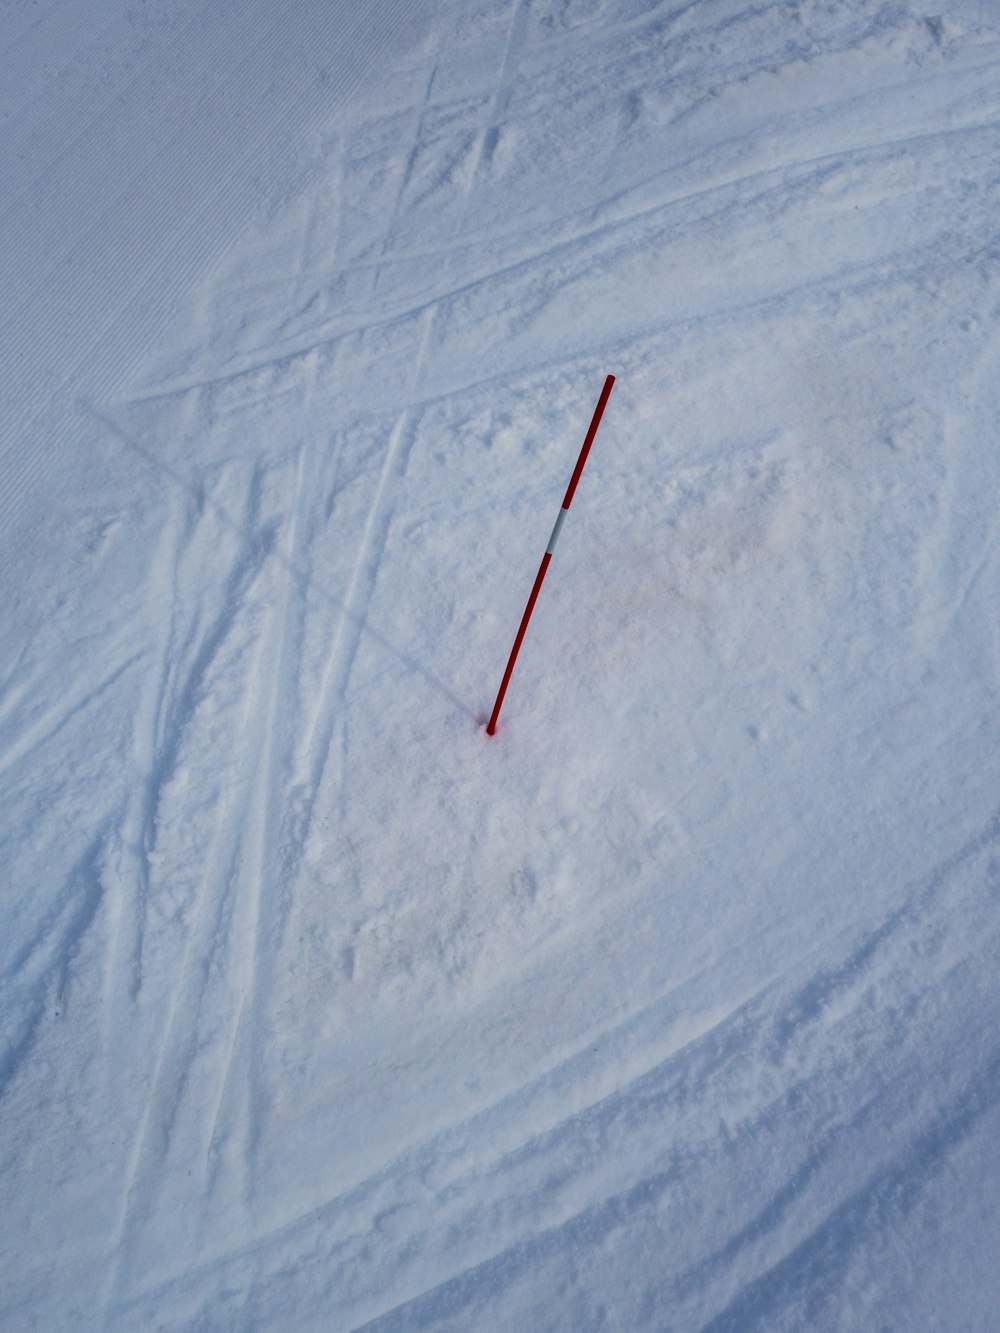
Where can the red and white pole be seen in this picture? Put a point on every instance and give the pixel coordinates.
(602, 402)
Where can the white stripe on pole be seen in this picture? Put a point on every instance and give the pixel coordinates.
(555, 531)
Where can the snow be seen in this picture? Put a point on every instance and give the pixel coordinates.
(669, 1007)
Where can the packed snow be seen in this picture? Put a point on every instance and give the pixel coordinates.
(671, 1006)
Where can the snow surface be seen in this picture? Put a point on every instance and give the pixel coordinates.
(673, 1005)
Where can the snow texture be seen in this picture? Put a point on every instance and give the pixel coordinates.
(671, 1006)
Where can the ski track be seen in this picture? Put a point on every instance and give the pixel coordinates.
(497, 107)
(374, 534)
(175, 1049)
(152, 758)
(351, 621)
(752, 1061)
(593, 245)
(264, 866)
(374, 537)
(551, 1174)
(260, 872)
(52, 720)
(257, 874)
(409, 163)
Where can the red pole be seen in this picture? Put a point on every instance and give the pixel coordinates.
(602, 403)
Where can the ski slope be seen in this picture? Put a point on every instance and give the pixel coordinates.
(669, 1007)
